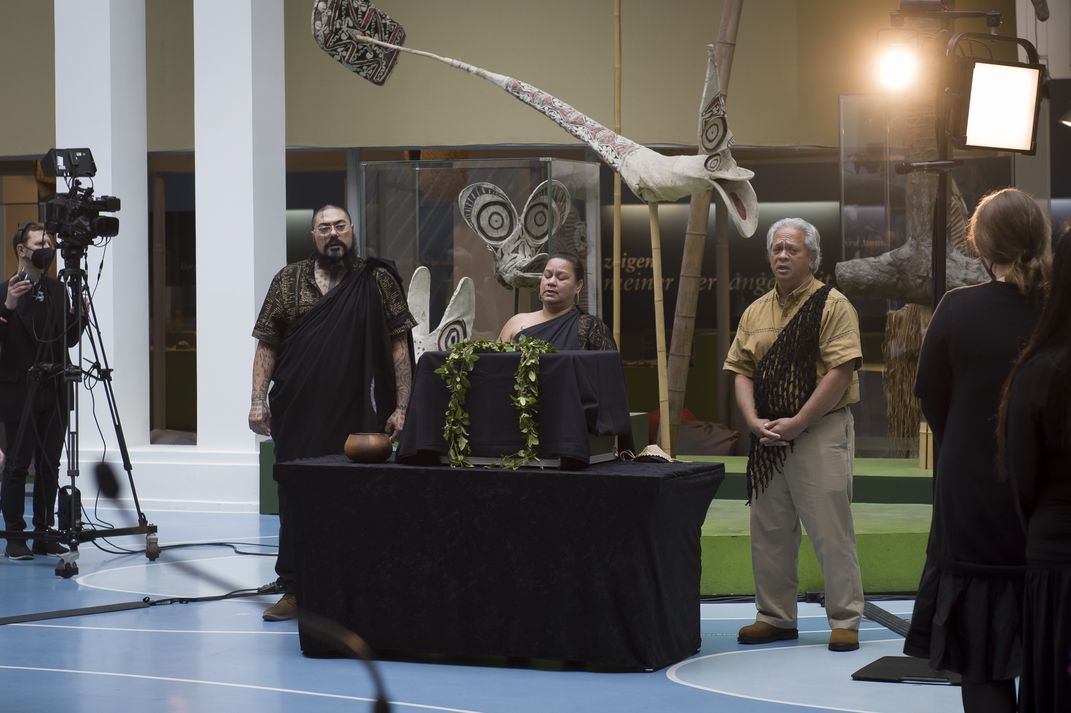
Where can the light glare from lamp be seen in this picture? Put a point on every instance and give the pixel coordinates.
(1003, 106)
(897, 67)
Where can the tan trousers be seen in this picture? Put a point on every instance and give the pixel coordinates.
(815, 487)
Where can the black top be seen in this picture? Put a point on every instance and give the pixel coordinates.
(293, 293)
(970, 346)
(1038, 456)
(573, 330)
(334, 374)
(31, 335)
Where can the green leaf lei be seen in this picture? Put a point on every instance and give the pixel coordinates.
(460, 361)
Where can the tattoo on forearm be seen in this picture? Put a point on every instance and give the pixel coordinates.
(263, 368)
(403, 374)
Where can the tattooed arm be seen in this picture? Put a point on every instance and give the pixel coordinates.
(403, 379)
(263, 368)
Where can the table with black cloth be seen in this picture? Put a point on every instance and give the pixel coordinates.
(599, 565)
(580, 392)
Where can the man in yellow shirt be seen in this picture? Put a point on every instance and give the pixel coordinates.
(795, 358)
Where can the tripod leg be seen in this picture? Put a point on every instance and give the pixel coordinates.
(100, 360)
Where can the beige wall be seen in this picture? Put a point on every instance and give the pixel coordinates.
(169, 74)
(27, 68)
(794, 58)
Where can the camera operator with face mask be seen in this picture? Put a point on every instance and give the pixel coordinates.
(32, 349)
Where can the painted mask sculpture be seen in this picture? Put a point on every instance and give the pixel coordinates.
(456, 323)
(515, 242)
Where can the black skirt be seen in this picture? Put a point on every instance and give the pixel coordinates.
(1046, 680)
(969, 624)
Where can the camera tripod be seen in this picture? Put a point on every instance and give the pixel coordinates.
(82, 318)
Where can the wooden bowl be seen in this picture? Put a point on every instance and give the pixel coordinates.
(367, 447)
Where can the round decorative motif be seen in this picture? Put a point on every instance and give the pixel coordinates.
(714, 132)
(713, 162)
(494, 217)
(451, 333)
(537, 219)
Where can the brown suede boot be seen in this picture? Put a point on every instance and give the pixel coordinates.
(762, 633)
(843, 640)
(282, 610)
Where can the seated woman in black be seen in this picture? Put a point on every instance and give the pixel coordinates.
(560, 322)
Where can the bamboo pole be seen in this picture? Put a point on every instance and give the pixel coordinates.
(721, 267)
(680, 350)
(692, 260)
(617, 177)
(660, 328)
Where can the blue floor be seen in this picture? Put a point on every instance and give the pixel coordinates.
(220, 656)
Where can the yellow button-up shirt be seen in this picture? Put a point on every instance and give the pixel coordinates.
(763, 320)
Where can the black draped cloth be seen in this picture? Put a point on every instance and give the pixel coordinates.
(580, 392)
(600, 565)
(967, 615)
(572, 330)
(1038, 458)
(334, 374)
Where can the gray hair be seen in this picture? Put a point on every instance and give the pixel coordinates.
(810, 238)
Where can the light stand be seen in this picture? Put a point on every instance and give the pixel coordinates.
(949, 98)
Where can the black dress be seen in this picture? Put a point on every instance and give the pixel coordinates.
(968, 608)
(1039, 463)
(572, 330)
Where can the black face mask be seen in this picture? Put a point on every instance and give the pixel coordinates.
(42, 258)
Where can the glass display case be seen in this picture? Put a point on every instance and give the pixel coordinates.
(411, 214)
(885, 212)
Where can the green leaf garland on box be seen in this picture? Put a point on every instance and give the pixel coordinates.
(460, 361)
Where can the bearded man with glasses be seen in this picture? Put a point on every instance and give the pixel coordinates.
(334, 342)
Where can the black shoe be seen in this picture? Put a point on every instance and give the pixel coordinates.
(48, 547)
(17, 550)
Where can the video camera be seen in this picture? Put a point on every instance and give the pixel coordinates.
(75, 218)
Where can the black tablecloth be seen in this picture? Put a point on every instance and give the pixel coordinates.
(600, 565)
(580, 392)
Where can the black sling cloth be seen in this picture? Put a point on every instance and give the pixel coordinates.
(784, 379)
(333, 373)
(561, 331)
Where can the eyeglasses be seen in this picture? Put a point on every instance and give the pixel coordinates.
(326, 228)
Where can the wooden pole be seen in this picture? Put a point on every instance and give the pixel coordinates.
(680, 350)
(721, 268)
(723, 56)
(660, 329)
(617, 178)
(692, 261)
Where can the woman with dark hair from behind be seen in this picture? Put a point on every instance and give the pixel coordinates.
(1035, 437)
(969, 604)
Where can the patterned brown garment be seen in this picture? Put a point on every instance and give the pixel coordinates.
(293, 292)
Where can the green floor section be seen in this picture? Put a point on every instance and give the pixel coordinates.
(881, 467)
(876, 480)
(890, 540)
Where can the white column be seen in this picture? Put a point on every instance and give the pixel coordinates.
(100, 104)
(240, 144)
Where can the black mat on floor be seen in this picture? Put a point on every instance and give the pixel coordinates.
(905, 669)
